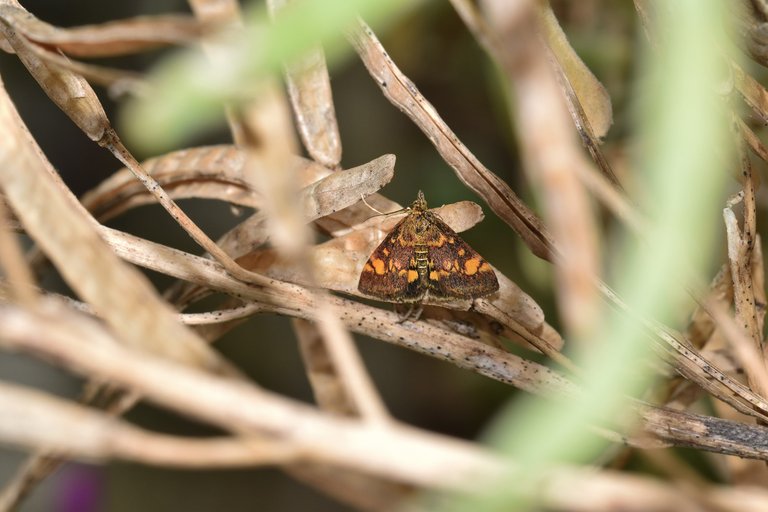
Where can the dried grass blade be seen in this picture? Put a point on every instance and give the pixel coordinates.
(60, 226)
(706, 432)
(309, 88)
(108, 39)
(743, 347)
(692, 365)
(75, 96)
(591, 96)
(404, 94)
(699, 333)
(211, 172)
(740, 248)
(119, 81)
(752, 140)
(323, 197)
(754, 94)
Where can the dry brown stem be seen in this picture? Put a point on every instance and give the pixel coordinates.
(403, 93)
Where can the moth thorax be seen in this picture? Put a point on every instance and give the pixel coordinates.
(422, 224)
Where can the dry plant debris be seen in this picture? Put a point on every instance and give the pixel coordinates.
(131, 342)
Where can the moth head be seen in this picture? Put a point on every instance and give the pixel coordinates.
(420, 204)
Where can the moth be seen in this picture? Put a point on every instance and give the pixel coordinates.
(423, 256)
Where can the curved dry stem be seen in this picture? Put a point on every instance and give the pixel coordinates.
(404, 94)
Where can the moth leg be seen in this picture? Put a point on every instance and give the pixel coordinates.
(411, 314)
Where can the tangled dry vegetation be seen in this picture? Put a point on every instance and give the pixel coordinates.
(130, 341)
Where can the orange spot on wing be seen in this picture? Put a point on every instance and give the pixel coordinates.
(402, 273)
(447, 264)
(385, 251)
(412, 276)
(471, 266)
(367, 268)
(439, 242)
(485, 267)
(378, 265)
(434, 275)
(462, 252)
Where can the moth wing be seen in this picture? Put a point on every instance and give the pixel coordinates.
(455, 269)
(390, 273)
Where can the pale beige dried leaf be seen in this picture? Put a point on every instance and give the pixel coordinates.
(212, 172)
(323, 197)
(741, 243)
(111, 38)
(406, 96)
(606, 187)
(344, 188)
(592, 95)
(5, 45)
(309, 87)
(57, 222)
(69, 91)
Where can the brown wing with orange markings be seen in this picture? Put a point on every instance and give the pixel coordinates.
(390, 273)
(455, 269)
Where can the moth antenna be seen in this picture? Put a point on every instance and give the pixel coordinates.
(369, 206)
(401, 210)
